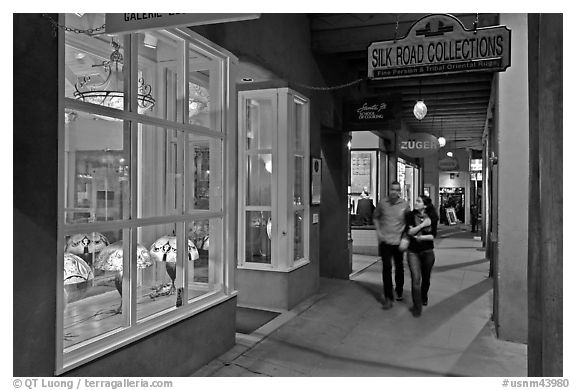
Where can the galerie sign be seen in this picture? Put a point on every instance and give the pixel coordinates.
(124, 23)
(439, 44)
(418, 144)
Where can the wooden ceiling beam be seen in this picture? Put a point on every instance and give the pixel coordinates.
(481, 77)
(354, 32)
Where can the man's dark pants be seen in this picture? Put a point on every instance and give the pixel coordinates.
(387, 252)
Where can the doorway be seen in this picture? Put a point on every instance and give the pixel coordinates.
(452, 197)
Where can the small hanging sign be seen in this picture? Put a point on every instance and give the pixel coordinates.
(448, 164)
(439, 44)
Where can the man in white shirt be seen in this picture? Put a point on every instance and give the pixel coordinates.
(390, 222)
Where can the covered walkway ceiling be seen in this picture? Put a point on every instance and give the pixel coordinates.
(457, 104)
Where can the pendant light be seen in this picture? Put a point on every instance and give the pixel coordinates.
(420, 108)
(449, 153)
(441, 139)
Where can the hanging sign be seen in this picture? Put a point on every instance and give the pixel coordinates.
(125, 23)
(476, 164)
(418, 144)
(439, 44)
(368, 113)
(448, 164)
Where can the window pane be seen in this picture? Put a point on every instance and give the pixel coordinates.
(298, 235)
(160, 75)
(92, 287)
(97, 168)
(204, 173)
(94, 67)
(160, 181)
(298, 124)
(203, 83)
(260, 123)
(205, 269)
(199, 110)
(258, 233)
(259, 180)
(158, 283)
(298, 180)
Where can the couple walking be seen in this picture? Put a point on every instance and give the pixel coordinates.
(393, 220)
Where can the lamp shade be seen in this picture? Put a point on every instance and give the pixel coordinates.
(420, 109)
(164, 249)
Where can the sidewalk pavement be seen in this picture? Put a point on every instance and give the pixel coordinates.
(343, 330)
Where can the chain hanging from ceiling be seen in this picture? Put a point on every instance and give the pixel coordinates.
(56, 26)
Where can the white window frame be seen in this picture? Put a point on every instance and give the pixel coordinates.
(282, 205)
(223, 130)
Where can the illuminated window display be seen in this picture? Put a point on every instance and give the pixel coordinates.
(274, 177)
(142, 175)
(409, 179)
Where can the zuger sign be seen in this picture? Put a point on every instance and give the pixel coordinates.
(418, 144)
(439, 44)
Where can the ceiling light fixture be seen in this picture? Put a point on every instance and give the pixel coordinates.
(109, 93)
(420, 108)
(441, 139)
(150, 41)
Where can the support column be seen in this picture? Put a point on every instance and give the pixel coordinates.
(545, 317)
(511, 287)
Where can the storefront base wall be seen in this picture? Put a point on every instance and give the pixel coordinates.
(273, 290)
(178, 350)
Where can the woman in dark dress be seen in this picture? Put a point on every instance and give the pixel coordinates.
(421, 226)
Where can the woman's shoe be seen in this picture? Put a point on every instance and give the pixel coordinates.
(415, 312)
(425, 302)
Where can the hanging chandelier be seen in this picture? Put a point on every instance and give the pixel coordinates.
(109, 93)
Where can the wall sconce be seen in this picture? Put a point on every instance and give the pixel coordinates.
(449, 154)
(493, 159)
(442, 141)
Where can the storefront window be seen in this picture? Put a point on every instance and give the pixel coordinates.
(274, 177)
(409, 179)
(92, 286)
(142, 211)
(96, 163)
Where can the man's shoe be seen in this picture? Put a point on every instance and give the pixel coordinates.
(399, 297)
(415, 312)
(425, 302)
(387, 304)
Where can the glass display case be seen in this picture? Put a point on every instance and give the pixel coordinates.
(274, 179)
